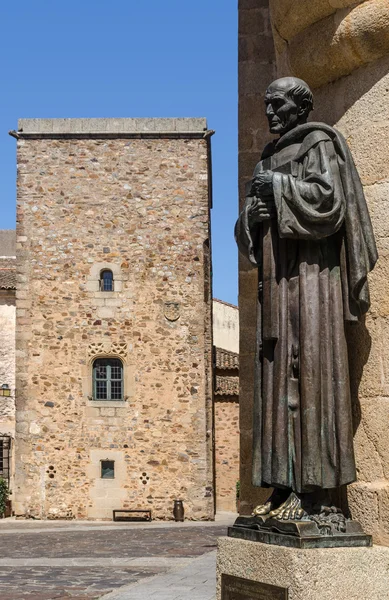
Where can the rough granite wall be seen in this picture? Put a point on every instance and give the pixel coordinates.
(124, 195)
(340, 47)
(359, 109)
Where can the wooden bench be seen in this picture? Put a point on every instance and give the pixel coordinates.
(137, 514)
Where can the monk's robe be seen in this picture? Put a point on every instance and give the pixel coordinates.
(313, 260)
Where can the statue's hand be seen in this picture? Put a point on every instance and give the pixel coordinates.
(261, 210)
(263, 184)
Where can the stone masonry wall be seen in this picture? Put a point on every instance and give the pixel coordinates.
(7, 359)
(359, 109)
(226, 452)
(140, 207)
(256, 69)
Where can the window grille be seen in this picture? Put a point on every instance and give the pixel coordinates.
(106, 281)
(5, 457)
(107, 379)
(107, 469)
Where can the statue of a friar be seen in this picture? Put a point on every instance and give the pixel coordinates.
(306, 226)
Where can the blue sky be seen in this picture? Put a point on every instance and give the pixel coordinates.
(127, 58)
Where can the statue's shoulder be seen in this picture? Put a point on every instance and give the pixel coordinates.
(315, 133)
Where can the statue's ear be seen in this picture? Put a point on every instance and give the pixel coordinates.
(304, 108)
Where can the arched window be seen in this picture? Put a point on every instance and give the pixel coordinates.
(106, 281)
(107, 379)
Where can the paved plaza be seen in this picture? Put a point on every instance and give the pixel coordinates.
(115, 561)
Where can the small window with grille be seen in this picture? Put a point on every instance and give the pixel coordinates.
(106, 281)
(107, 379)
(107, 469)
(5, 457)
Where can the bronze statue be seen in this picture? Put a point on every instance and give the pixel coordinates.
(306, 226)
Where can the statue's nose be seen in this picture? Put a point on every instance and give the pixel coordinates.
(269, 110)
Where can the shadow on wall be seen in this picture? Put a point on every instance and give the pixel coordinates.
(358, 337)
(333, 100)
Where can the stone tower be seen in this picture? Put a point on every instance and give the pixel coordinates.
(113, 333)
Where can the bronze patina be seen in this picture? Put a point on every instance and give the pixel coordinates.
(306, 227)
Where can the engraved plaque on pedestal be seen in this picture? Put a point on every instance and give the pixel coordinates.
(236, 588)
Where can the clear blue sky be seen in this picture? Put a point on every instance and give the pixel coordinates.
(127, 58)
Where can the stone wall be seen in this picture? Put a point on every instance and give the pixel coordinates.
(359, 109)
(7, 360)
(7, 351)
(256, 69)
(225, 326)
(132, 196)
(226, 452)
(226, 407)
(341, 49)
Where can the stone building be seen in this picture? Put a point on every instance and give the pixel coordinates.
(342, 50)
(113, 326)
(7, 350)
(226, 404)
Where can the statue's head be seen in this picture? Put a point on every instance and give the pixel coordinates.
(288, 103)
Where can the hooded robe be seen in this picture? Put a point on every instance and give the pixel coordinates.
(313, 261)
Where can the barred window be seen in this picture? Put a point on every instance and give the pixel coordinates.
(107, 379)
(107, 469)
(5, 457)
(106, 281)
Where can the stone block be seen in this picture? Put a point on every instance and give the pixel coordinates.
(92, 286)
(254, 78)
(117, 302)
(368, 504)
(371, 440)
(319, 574)
(35, 125)
(339, 44)
(252, 4)
(251, 46)
(253, 22)
(190, 125)
(366, 357)
(372, 165)
(290, 18)
(111, 125)
(106, 312)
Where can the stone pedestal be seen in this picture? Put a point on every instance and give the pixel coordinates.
(317, 574)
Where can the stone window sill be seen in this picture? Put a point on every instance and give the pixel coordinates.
(107, 403)
(106, 295)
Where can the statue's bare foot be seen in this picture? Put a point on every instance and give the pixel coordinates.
(262, 509)
(273, 502)
(290, 510)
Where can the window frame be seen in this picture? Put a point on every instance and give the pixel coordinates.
(107, 460)
(102, 281)
(5, 457)
(108, 379)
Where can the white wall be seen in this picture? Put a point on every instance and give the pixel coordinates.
(225, 326)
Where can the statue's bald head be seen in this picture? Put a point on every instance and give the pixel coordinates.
(289, 101)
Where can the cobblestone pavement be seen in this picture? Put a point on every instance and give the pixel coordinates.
(87, 561)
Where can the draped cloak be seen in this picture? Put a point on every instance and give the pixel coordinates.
(313, 261)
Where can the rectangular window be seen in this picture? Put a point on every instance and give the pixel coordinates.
(107, 469)
(5, 457)
(107, 379)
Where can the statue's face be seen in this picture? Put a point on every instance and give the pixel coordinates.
(281, 111)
